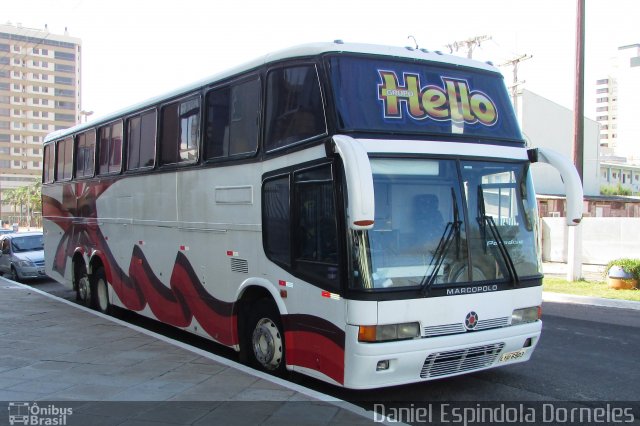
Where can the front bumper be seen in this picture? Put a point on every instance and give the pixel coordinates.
(436, 357)
(27, 272)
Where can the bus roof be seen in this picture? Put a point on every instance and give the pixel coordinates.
(301, 51)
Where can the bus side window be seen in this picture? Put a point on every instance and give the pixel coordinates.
(110, 148)
(180, 135)
(142, 141)
(316, 249)
(85, 153)
(276, 216)
(232, 120)
(49, 163)
(64, 166)
(294, 106)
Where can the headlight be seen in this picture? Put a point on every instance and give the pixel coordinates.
(26, 263)
(525, 315)
(388, 332)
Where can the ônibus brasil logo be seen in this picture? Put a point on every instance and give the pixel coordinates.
(26, 413)
(455, 101)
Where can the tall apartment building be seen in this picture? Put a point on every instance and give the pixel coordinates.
(606, 111)
(618, 103)
(39, 93)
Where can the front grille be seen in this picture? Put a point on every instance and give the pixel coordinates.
(39, 263)
(460, 360)
(447, 329)
(444, 329)
(492, 323)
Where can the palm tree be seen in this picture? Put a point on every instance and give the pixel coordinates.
(28, 196)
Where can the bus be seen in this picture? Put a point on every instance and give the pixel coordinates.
(361, 214)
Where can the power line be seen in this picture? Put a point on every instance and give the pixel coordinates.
(514, 87)
(469, 44)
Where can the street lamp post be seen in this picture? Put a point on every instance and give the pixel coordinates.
(86, 114)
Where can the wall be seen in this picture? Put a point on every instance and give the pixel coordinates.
(603, 239)
(546, 124)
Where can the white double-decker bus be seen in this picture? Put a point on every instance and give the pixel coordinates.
(361, 214)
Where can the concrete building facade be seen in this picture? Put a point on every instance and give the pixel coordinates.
(40, 75)
(546, 124)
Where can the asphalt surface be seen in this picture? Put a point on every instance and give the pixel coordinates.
(587, 357)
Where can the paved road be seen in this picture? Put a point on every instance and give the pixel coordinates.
(587, 354)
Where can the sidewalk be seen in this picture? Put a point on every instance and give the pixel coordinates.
(61, 354)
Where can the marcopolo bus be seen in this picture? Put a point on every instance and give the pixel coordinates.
(361, 214)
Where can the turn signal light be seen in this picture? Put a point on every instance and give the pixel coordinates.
(388, 332)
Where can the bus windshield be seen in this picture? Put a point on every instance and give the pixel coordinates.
(441, 222)
(421, 98)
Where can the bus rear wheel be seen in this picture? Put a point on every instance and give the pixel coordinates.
(83, 291)
(100, 291)
(265, 338)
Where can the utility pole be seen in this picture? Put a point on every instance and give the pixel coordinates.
(469, 44)
(578, 110)
(514, 88)
(574, 235)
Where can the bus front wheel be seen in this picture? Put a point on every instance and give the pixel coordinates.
(265, 338)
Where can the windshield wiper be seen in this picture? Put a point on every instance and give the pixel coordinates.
(485, 221)
(443, 245)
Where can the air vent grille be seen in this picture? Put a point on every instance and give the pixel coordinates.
(240, 265)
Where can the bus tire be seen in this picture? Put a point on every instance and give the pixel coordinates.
(84, 291)
(265, 338)
(100, 291)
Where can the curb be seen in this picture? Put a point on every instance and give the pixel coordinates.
(586, 300)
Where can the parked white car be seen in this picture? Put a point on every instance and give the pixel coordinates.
(22, 256)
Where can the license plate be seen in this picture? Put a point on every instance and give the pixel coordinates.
(509, 356)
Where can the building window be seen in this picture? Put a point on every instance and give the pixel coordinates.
(601, 100)
(602, 108)
(602, 81)
(605, 90)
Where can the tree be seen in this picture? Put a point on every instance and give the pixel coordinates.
(28, 196)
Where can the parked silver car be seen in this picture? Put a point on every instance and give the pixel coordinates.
(22, 256)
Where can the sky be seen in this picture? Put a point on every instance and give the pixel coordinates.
(136, 49)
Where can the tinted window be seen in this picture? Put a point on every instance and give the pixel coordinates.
(294, 106)
(232, 120)
(64, 150)
(85, 153)
(180, 131)
(110, 148)
(316, 250)
(419, 97)
(49, 163)
(275, 207)
(142, 141)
